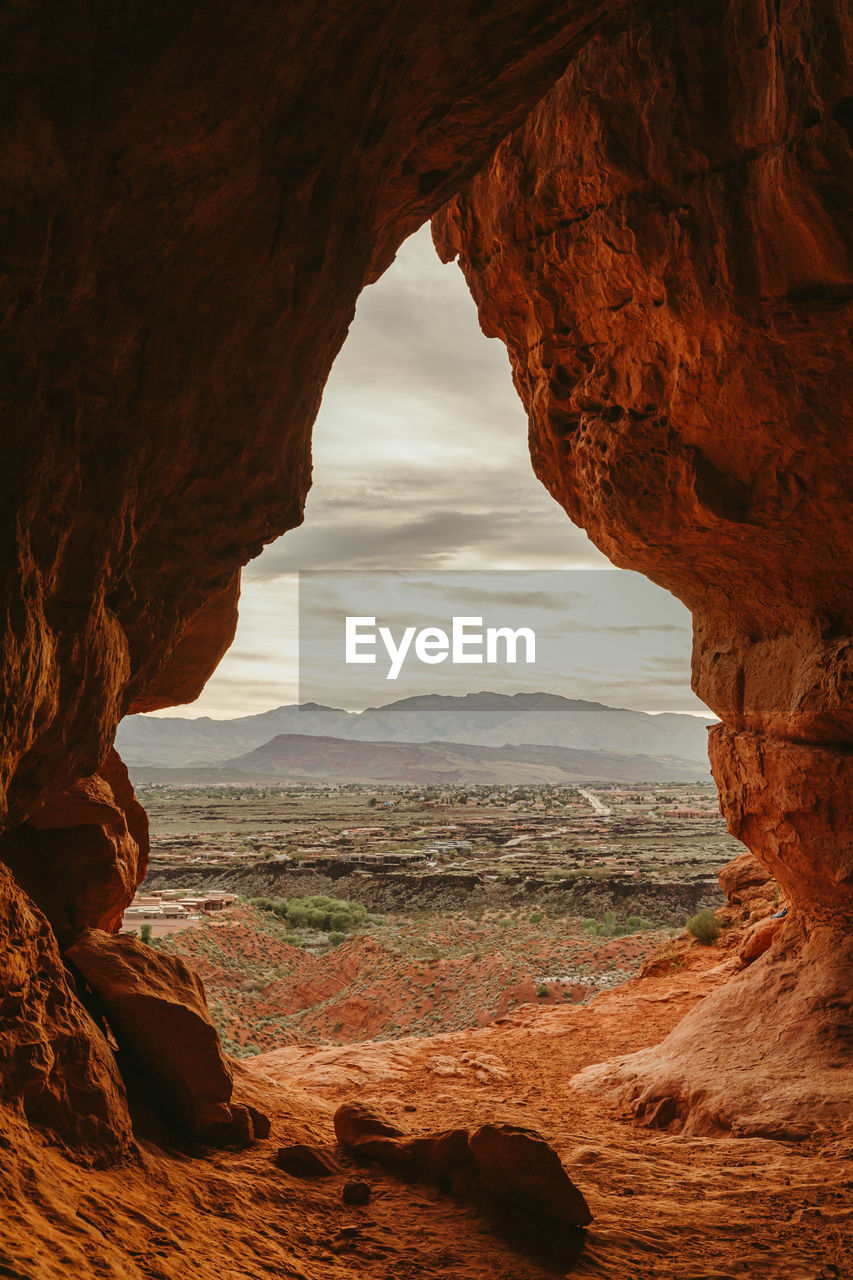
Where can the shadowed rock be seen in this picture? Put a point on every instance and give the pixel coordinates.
(194, 197)
(56, 1067)
(511, 1173)
(82, 853)
(356, 1191)
(156, 1009)
(302, 1161)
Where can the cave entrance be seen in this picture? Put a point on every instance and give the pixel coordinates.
(448, 828)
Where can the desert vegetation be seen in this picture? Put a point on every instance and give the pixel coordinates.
(704, 926)
(334, 916)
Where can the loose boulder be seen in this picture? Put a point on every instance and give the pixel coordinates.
(518, 1167)
(354, 1123)
(745, 879)
(302, 1161)
(759, 939)
(512, 1174)
(156, 1009)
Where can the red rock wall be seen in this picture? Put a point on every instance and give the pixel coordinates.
(56, 1068)
(82, 853)
(663, 247)
(194, 195)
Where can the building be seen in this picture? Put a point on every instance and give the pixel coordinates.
(167, 910)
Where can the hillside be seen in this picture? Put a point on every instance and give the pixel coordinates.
(295, 757)
(400, 976)
(484, 719)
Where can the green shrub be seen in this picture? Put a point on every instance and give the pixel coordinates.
(635, 923)
(604, 929)
(704, 926)
(336, 938)
(316, 912)
(146, 934)
(543, 990)
(536, 917)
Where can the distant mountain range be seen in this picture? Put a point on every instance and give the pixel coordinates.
(430, 735)
(295, 756)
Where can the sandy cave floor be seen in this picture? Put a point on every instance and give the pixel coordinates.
(665, 1206)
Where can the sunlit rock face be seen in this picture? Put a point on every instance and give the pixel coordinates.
(82, 853)
(663, 247)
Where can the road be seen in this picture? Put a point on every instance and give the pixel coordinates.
(599, 808)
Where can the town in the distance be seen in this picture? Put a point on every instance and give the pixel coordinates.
(358, 905)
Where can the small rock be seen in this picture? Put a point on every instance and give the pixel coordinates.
(302, 1161)
(356, 1191)
(261, 1125)
(354, 1122)
(759, 939)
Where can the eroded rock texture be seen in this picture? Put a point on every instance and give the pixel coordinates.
(663, 247)
(82, 853)
(56, 1067)
(769, 1054)
(512, 1173)
(194, 196)
(169, 1049)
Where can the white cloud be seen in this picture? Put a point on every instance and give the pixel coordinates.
(421, 463)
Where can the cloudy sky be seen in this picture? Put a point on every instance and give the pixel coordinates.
(420, 466)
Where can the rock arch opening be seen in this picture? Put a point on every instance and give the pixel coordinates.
(196, 201)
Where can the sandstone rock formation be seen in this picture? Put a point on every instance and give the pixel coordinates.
(56, 1068)
(747, 884)
(194, 200)
(168, 1047)
(194, 197)
(82, 853)
(766, 1055)
(759, 939)
(664, 1209)
(664, 249)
